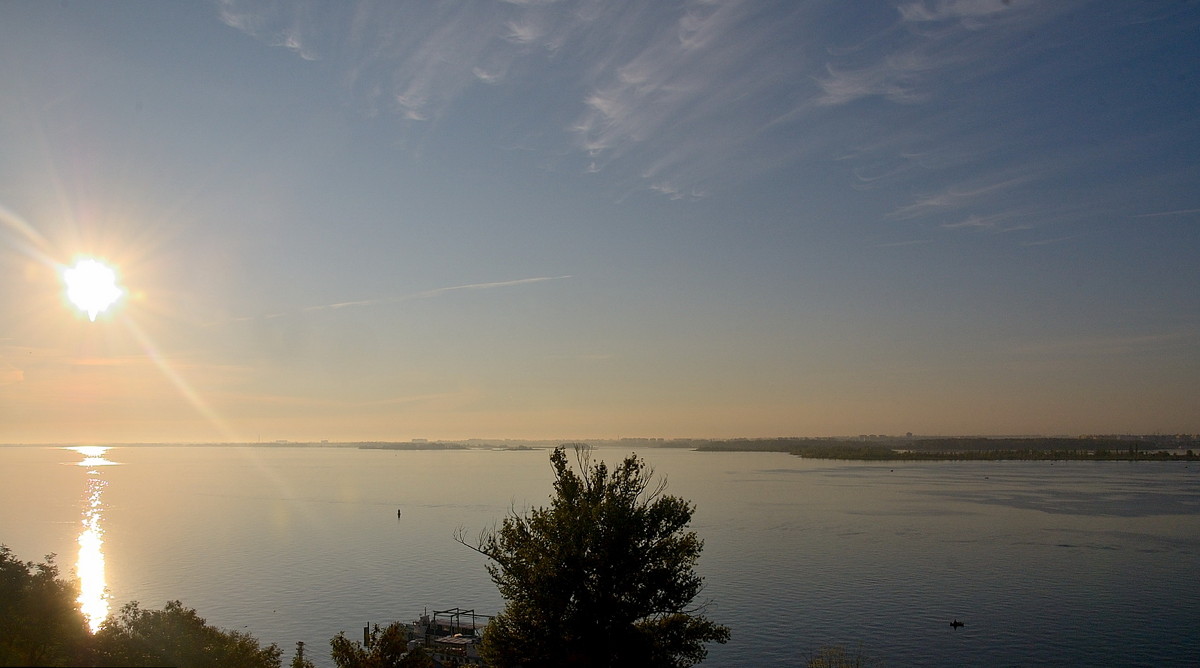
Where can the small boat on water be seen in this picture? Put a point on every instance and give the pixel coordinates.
(955, 624)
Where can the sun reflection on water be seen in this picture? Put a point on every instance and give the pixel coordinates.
(93, 591)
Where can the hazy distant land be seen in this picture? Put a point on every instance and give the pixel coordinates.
(874, 447)
(1123, 447)
(1130, 448)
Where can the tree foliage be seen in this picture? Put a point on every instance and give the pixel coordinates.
(386, 647)
(299, 660)
(40, 622)
(602, 577)
(176, 636)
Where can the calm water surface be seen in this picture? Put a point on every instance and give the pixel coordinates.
(1064, 563)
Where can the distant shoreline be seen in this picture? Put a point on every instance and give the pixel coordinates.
(972, 449)
(867, 448)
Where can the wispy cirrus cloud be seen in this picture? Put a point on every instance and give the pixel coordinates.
(410, 59)
(929, 45)
(977, 222)
(275, 25)
(966, 11)
(674, 99)
(676, 96)
(486, 286)
(688, 105)
(1163, 214)
(684, 99)
(896, 78)
(426, 294)
(957, 197)
(939, 113)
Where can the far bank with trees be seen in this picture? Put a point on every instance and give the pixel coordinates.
(897, 448)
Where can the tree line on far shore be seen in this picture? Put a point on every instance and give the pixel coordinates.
(959, 448)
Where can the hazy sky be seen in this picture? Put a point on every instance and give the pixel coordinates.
(387, 220)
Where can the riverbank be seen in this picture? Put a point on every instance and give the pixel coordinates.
(964, 448)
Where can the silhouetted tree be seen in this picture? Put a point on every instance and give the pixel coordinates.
(176, 636)
(299, 660)
(40, 622)
(603, 577)
(386, 647)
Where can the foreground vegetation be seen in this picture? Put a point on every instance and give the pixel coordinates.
(41, 625)
(604, 576)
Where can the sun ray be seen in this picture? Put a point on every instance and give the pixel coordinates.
(180, 382)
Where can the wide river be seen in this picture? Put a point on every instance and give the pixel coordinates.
(1047, 563)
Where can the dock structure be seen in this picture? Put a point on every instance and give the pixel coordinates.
(452, 621)
(451, 637)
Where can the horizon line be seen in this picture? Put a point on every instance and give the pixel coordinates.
(607, 439)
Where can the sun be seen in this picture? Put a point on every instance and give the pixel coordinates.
(92, 286)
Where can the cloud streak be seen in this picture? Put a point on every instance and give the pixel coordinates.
(686, 100)
(930, 45)
(427, 294)
(959, 197)
(896, 78)
(688, 105)
(1161, 214)
(488, 286)
(665, 96)
(967, 12)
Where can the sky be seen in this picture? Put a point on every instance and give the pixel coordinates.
(599, 219)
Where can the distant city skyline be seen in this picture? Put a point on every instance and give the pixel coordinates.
(590, 219)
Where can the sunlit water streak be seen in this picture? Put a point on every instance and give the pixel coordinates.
(89, 567)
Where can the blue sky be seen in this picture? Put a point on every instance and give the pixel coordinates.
(393, 220)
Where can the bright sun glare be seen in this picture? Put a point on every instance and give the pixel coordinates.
(92, 286)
